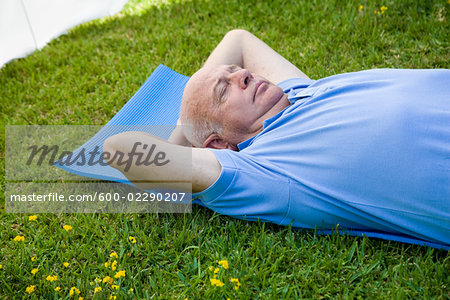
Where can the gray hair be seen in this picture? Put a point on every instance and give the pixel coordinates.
(197, 131)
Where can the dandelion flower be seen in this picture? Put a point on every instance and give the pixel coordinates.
(1, 267)
(107, 264)
(34, 271)
(80, 298)
(361, 8)
(30, 289)
(114, 286)
(73, 291)
(112, 297)
(114, 255)
(211, 268)
(97, 289)
(67, 227)
(57, 289)
(51, 278)
(120, 274)
(33, 258)
(113, 265)
(132, 239)
(19, 238)
(216, 270)
(32, 218)
(224, 263)
(130, 290)
(236, 282)
(216, 282)
(383, 9)
(107, 279)
(66, 264)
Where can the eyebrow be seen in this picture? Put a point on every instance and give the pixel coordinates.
(216, 91)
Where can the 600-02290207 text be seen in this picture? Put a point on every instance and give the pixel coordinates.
(110, 196)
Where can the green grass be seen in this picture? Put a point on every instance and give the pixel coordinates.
(85, 77)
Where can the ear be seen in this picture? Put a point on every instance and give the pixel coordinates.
(214, 141)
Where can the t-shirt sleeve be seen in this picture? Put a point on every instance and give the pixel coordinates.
(247, 189)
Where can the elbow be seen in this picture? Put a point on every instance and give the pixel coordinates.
(237, 33)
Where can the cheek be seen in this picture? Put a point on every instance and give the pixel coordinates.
(273, 94)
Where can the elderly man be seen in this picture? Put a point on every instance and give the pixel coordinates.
(368, 150)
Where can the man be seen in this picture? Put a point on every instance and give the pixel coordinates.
(369, 151)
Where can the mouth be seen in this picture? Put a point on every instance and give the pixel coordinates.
(257, 85)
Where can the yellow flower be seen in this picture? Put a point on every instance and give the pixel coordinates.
(19, 238)
(108, 280)
(57, 289)
(114, 255)
(66, 264)
(224, 263)
(383, 9)
(97, 280)
(115, 286)
(130, 290)
(67, 227)
(97, 289)
(32, 218)
(30, 289)
(1, 267)
(361, 8)
(80, 298)
(112, 297)
(107, 264)
(51, 278)
(216, 270)
(120, 274)
(113, 265)
(236, 282)
(211, 268)
(73, 291)
(34, 271)
(132, 239)
(216, 282)
(33, 258)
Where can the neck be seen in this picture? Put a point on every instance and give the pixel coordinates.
(278, 107)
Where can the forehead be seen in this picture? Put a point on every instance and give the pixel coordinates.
(202, 83)
(198, 91)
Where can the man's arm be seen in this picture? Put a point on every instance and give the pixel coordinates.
(196, 165)
(242, 48)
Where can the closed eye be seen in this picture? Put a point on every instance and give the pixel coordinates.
(223, 91)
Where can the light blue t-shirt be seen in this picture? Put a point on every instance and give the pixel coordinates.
(367, 150)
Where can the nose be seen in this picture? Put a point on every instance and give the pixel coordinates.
(241, 78)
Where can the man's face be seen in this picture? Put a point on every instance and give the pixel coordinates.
(236, 99)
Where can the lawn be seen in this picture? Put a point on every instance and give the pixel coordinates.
(86, 76)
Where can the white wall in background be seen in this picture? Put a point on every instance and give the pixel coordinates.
(27, 25)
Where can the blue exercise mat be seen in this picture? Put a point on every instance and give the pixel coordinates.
(157, 102)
